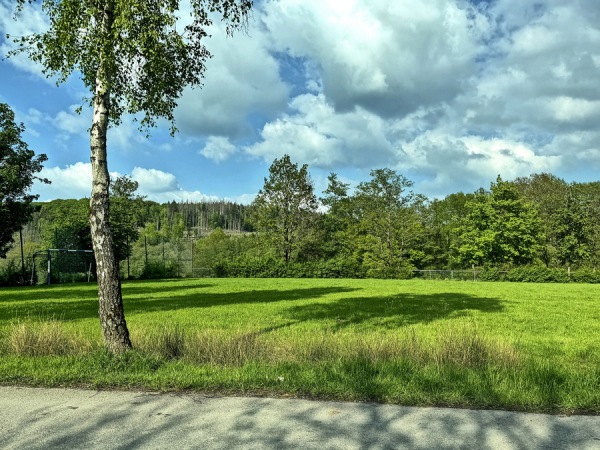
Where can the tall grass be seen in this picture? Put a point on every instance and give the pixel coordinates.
(43, 338)
(464, 346)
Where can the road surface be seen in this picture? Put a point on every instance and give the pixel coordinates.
(33, 418)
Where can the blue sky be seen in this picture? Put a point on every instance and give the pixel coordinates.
(448, 93)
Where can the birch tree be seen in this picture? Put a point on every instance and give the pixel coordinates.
(133, 59)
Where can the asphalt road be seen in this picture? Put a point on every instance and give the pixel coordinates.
(79, 419)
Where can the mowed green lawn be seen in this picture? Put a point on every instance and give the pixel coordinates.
(533, 347)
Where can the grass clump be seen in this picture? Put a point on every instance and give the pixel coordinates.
(43, 338)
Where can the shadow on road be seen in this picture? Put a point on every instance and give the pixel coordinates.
(101, 420)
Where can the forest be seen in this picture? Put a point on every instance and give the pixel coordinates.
(535, 228)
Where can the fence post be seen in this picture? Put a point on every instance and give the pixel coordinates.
(192, 241)
(22, 255)
(49, 262)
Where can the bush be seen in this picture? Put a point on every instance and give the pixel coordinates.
(537, 274)
(586, 275)
(155, 270)
(269, 268)
(490, 274)
(11, 275)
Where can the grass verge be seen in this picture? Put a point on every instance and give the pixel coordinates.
(480, 345)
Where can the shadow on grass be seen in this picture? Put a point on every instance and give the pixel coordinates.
(85, 291)
(160, 298)
(394, 310)
(79, 301)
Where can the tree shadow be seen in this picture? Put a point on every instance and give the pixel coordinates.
(137, 300)
(77, 302)
(394, 311)
(88, 291)
(60, 418)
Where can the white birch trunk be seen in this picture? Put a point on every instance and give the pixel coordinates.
(112, 316)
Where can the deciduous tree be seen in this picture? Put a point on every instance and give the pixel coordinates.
(18, 168)
(388, 224)
(285, 207)
(133, 58)
(501, 228)
(125, 215)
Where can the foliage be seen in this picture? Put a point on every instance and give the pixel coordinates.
(501, 228)
(285, 208)
(64, 224)
(134, 45)
(270, 268)
(587, 197)
(125, 215)
(548, 194)
(440, 220)
(586, 275)
(537, 274)
(335, 224)
(18, 168)
(157, 270)
(388, 224)
(490, 274)
(11, 274)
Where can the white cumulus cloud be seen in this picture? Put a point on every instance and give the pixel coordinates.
(218, 148)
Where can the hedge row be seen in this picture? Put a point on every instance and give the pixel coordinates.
(541, 274)
(277, 269)
(338, 268)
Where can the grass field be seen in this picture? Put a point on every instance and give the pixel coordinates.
(532, 347)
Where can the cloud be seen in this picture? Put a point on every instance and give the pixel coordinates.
(449, 164)
(73, 181)
(163, 187)
(387, 57)
(154, 181)
(31, 20)
(72, 123)
(242, 79)
(315, 134)
(218, 149)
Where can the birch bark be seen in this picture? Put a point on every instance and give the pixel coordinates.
(112, 316)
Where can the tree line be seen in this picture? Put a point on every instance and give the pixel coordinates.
(378, 228)
(382, 228)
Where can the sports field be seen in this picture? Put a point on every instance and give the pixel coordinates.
(533, 347)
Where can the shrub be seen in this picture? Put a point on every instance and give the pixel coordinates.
(269, 268)
(585, 275)
(490, 274)
(537, 274)
(11, 275)
(155, 270)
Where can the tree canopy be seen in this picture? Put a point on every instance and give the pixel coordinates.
(18, 168)
(285, 206)
(139, 49)
(501, 227)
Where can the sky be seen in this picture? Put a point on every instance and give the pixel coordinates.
(450, 94)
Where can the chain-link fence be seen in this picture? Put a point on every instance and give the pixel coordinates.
(164, 259)
(458, 275)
